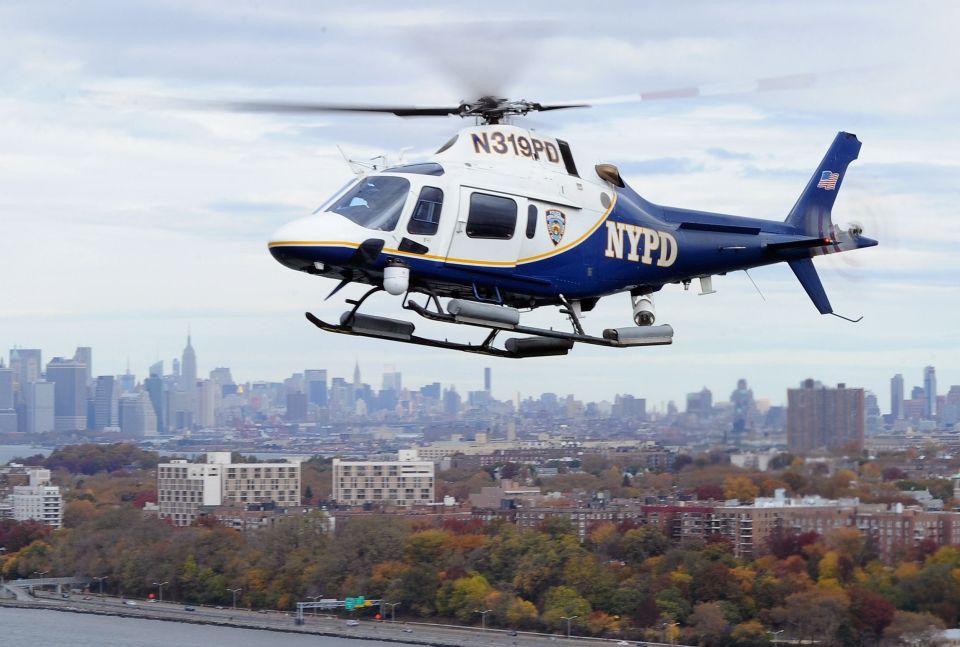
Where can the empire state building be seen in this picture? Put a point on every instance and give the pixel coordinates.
(188, 378)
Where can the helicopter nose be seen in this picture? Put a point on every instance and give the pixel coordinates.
(310, 243)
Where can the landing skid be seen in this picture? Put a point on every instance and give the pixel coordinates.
(541, 342)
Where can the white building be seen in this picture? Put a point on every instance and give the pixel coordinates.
(406, 481)
(39, 501)
(184, 488)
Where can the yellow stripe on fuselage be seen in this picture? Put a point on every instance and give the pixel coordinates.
(459, 261)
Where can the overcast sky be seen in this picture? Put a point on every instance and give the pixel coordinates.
(122, 224)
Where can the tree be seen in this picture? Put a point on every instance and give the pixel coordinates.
(640, 543)
(521, 613)
(870, 613)
(463, 596)
(709, 623)
(563, 601)
(913, 628)
(740, 487)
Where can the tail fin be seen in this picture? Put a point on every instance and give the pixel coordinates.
(811, 213)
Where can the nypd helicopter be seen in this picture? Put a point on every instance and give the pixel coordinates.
(502, 220)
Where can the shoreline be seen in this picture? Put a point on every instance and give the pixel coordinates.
(231, 623)
(426, 634)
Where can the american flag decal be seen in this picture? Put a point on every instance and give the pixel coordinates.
(828, 181)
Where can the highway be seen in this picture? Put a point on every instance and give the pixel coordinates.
(321, 624)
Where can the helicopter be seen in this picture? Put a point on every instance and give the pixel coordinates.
(501, 220)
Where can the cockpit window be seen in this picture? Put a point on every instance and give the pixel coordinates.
(375, 203)
(427, 168)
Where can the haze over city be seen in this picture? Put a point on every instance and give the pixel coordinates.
(124, 225)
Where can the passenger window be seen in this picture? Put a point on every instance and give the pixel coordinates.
(491, 217)
(426, 215)
(531, 221)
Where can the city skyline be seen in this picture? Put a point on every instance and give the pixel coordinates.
(414, 379)
(124, 224)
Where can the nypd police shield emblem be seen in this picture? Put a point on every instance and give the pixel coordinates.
(556, 224)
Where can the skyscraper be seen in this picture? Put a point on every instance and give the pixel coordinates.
(487, 379)
(929, 393)
(70, 394)
(188, 379)
(156, 369)
(136, 415)
(106, 402)
(315, 381)
(84, 355)
(896, 397)
(8, 416)
(819, 417)
(39, 398)
(26, 365)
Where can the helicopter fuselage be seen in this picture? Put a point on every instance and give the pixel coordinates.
(503, 215)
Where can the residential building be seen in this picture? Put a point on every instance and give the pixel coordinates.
(821, 418)
(185, 489)
(39, 500)
(896, 397)
(404, 482)
(929, 393)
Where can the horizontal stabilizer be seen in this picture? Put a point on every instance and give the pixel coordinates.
(802, 243)
(806, 273)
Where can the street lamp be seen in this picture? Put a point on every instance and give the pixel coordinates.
(483, 617)
(235, 592)
(100, 582)
(393, 606)
(775, 634)
(314, 598)
(568, 619)
(160, 586)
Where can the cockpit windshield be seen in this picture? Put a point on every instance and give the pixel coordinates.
(375, 202)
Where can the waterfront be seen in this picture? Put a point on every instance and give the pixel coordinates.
(9, 452)
(48, 627)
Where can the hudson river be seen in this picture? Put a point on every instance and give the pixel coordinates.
(55, 628)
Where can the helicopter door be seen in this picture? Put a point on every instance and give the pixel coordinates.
(486, 230)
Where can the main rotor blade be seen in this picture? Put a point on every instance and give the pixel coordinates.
(735, 88)
(295, 107)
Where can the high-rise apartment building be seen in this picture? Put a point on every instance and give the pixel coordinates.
(39, 501)
(183, 488)
(819, 417)
(404, 482)
(896, 397)
(70, 393)
(487, 379)
(929, 393)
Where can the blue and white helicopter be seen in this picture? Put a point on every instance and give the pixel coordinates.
(501, 220)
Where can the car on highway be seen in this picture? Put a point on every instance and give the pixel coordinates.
(407, 630)
(189, 608)
(130, 603)
(353, 623)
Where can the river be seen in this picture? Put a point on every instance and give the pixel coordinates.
(9, 452)
(38, 627)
